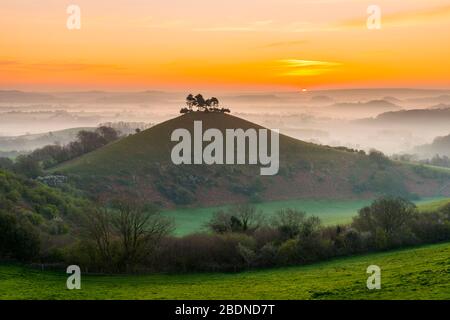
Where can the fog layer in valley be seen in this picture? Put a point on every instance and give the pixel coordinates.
(390, 120)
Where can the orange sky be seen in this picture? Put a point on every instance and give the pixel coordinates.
(223, 45)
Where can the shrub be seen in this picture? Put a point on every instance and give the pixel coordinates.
(388, 221)
(240, 218)
(18, 239)
(288, 252)
(289, 222)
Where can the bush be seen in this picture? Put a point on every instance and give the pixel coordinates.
(27, 166)
(289, 222)
(18, 239)
(205, 252)
(388, 221)
(243, 218)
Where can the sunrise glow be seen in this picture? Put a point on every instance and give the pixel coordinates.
(253, 45)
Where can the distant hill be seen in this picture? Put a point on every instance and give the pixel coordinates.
(24, 97)
(248, 98)
(440, 146)
(420, 117)
(30, 142)
(360, 109)
(378, 105)
(392, 100)
(321, 99)
(440, 106)
(441, 99)
(378, 93)
(141, 163)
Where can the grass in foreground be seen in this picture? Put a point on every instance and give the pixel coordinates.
(331, 212)
(418, 273)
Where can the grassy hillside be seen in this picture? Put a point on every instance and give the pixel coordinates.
(418, 273)
(190, 220)
(433, 205)
(141, 163)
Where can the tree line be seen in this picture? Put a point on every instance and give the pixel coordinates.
(133, 238)
(31, 165)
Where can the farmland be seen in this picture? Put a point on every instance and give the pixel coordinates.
(189, 220)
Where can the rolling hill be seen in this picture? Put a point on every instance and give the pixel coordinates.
(141, 164)
(440, 146)
(419, 118)
(373, 105)
(30, 142)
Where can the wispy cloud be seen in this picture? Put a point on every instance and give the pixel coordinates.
(59, 66)
(284, 44)
(73, 66)
(296, 67)
(8, 62)
(262, 25)
(62, 68)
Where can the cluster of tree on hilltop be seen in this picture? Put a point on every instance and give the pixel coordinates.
(202, 104)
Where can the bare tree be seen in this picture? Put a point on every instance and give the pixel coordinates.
(240, 218)
(139, 227)
(100, 230)
(126, 232)
(289, 222)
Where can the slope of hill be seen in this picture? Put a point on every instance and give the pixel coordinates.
(417, 273)
(141, 163)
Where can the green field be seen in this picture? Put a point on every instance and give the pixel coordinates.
(417, 273)
(330, 211)
(433, 205)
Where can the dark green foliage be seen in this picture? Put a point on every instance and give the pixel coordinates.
(243, 218)
(379, 175)
(18, 238)
(387, 220)
(380, 159)
(252, 189)
(32, 208)
(6, 163)
(27, 166)
(180, 183)
(437, 160)
(178, 194)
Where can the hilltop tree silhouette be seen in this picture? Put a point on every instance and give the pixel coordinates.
(208, 105)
